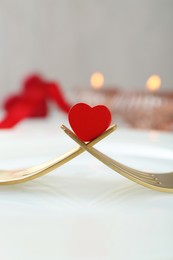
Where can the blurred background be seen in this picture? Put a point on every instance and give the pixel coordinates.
(67, 41)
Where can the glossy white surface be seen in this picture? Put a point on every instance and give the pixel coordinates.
(83, 210)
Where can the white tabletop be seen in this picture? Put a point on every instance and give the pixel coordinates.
(83, 210)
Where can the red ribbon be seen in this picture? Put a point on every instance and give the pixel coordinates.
(32, 101)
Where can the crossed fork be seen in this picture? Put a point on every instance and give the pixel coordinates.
(156, 181)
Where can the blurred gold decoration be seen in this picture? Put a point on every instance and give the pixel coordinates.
(151, 109)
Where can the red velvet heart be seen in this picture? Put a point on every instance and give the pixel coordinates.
(89, 122)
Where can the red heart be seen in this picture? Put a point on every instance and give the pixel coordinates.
(89, 122)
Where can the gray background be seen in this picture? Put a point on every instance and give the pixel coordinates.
(67, 40)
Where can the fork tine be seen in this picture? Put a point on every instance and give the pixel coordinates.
(106, 160)
(75, 151)
(145, 176)
(23, 175)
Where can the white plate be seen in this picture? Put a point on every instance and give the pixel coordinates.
(84, 210)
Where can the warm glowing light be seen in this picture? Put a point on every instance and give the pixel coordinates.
(97, 80)
(153, 83)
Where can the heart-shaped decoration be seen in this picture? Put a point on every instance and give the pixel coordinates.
(89, 122)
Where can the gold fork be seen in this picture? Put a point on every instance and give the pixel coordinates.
(156, 181)
(18, 176)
